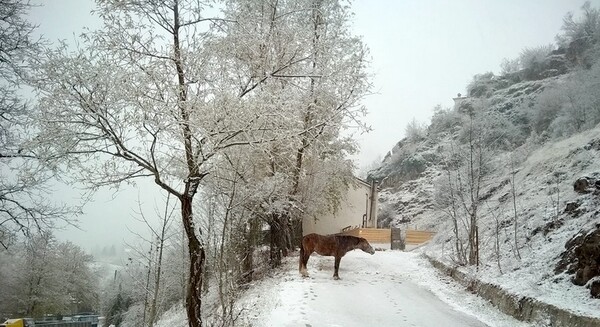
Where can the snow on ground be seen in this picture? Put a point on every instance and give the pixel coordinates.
(174, 317)
(390, 288)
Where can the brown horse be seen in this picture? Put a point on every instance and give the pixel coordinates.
(330, 245)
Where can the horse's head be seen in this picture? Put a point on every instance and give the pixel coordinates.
(364, 245)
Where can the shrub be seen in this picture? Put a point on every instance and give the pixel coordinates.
(568, 108)
(581, 37)
(533, 61)
(412, 166)
(444, 121)
(482, 85)
(509, 66)
(546, 109)
(490, 129)
(385, 215)
(415, 131)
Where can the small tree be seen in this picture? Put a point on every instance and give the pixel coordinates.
(447, 200)
(513, 193)
(414, 131)
(467, 165)
(147, 265)
(78, 281)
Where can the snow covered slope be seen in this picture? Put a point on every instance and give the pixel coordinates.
(544, 185)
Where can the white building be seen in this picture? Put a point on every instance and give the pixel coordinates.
(357, 210)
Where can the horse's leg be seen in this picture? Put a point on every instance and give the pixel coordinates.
(301, 260)
(304, 255)
(336, 267)
(305, 262)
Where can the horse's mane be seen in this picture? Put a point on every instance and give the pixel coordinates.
(345, 240)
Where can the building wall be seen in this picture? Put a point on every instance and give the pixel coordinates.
(356, 204)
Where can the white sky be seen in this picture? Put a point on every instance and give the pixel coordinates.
(423, 52)
(426, 51)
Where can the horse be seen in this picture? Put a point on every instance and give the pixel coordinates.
(335, 245)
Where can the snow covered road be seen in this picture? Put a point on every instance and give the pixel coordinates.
(390, 288)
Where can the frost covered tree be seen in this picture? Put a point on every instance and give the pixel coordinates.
(581, 35)
(43, 276)
(77, 279)
(533, 61)
(27, 265)
(148, 266)
(24, 175)
(147, 96)
(468, 160)
(229, 244)
(163, 91)
(569, 107)
(322, 93)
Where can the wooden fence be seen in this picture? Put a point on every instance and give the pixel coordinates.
(384, 235)
(418, 236)
(373, 235)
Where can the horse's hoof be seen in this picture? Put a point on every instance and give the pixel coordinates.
(336, 277)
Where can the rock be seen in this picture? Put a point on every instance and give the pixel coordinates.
(581, 185)
(583, 275)
(595, 288)
(593, 145)
(556, 63)
(549, 227)
(582, 257)
(572, 207)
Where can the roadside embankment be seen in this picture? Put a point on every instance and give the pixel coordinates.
(521, 307)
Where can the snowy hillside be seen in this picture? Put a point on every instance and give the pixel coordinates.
(526, 206)
(545, 225)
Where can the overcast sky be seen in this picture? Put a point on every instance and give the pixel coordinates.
(423, 52)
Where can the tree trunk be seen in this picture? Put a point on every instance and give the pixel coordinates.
(473, 242)
(197, 256)
(515, 212)
(252, 232)
(275, 234)
(280, 238)
(148, 273)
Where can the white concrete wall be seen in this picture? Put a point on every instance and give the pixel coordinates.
(350, 212)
